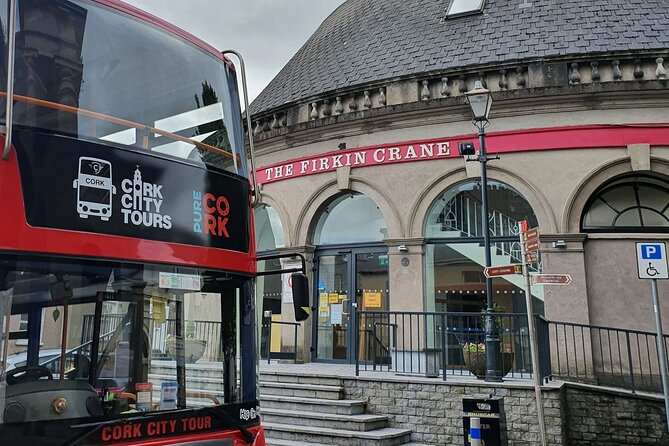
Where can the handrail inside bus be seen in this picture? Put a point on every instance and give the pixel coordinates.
(9, 105)
(108, 118)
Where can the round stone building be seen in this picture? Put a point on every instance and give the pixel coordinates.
(358, 164)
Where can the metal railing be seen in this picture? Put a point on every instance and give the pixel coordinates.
(266, 342)
(207, 332)
(440, 344)
(605, 356)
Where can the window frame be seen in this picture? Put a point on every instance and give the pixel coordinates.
(621, 182)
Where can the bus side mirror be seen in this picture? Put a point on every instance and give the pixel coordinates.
(300, 296)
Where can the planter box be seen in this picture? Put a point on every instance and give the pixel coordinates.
(476, 362)
(425, 362)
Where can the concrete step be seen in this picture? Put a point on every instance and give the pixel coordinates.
(277, 442)
(342, 407)
(301, 390)
(361, 422)
(209, 385)
(197, 370)
(380, 437)
(285, 377)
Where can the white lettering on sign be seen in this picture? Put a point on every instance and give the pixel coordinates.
(353, 158)
(141, 203)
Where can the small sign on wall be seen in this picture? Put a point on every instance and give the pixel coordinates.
(336, 312)
(372, 299)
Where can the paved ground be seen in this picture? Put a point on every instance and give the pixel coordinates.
(348, 371)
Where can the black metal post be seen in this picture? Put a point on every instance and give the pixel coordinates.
(491, 343)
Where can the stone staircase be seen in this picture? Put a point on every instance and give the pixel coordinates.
(303, 410)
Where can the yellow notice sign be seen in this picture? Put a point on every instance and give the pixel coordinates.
(323, 299)
(158, 302)
(334, 298)
(372, 300)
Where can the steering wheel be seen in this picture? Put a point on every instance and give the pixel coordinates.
(27, 373)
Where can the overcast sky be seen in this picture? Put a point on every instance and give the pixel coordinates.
(266, 32)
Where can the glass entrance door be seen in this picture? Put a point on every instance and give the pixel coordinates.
(347, 281)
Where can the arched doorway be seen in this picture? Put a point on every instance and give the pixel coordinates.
(351, 263)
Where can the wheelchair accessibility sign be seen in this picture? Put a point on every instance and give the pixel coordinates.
(651, 259)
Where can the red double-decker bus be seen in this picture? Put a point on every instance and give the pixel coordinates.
(127, 258)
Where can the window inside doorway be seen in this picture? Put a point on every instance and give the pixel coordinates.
(350, 218)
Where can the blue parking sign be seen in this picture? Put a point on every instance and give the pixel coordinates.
(651, 252)
(651, 260)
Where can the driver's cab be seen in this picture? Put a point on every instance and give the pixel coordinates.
(85, 339)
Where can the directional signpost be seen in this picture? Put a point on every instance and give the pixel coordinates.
(532, 245)
(651, 260)
(551, 279)
(531, 257)
(529, 248)
(496, 271)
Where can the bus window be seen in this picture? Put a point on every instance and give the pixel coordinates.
(124, 338)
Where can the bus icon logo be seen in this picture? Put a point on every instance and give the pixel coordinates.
(94, 188)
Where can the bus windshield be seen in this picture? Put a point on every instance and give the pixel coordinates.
(93, 340)
(99, 74)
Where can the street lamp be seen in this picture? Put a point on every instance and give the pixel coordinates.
(480, 101)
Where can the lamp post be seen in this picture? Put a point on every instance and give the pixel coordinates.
(480, 101)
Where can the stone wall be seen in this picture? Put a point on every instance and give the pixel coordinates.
(575, 415)
(432, 409)
(598, 417)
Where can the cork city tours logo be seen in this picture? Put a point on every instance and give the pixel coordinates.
(141, 201)
(210, 214)
(94, 188)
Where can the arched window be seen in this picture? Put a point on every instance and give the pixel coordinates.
(350, 218)
(457, 212)
(455, 255)
(630, 204)
(269, 230)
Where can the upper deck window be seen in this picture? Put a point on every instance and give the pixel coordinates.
(92, 72)
(457, 8)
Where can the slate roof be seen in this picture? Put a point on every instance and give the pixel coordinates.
(366, 41)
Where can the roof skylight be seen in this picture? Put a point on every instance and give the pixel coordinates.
(459, 8)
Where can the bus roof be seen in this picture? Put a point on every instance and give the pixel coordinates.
(172, 29)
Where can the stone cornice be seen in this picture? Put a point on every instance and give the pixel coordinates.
(597, 72)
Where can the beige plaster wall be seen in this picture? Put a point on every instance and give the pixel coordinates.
(556, 183)
(616, 296)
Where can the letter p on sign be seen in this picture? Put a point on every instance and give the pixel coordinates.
(651, 252)
(651, 260)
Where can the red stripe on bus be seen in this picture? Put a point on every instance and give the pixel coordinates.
(17, 235)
